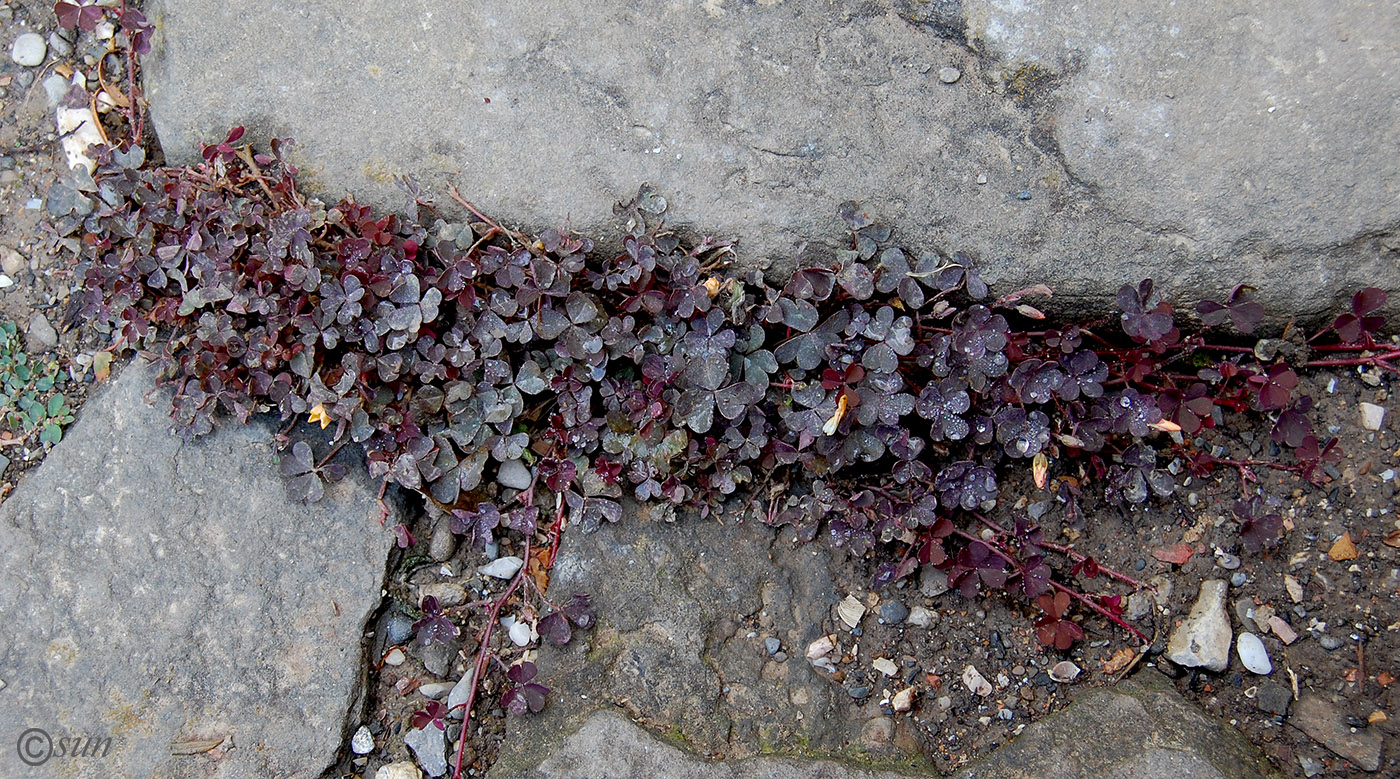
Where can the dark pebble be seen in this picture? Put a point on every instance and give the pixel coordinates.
(1024, 194)
(858, 692)
(1330, 643)
(1274, 698)
(1042, 679)
(1139, 565)
(893, 612)
(857, 632)
(398, 628)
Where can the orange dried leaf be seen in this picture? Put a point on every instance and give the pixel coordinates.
(1120, 660)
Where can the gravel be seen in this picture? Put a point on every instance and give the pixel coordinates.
(29, 50)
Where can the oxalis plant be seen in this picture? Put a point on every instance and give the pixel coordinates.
(880, 401)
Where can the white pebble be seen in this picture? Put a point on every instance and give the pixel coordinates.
(29, 50)
(1253, 654)
(1372, 416)
(362, 743)
(502, 567)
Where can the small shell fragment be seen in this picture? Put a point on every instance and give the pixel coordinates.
(976, 682)
(850, 610)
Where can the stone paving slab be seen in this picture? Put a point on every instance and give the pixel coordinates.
(1084, 145)
(161, 594)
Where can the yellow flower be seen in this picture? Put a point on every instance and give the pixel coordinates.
(318, 414)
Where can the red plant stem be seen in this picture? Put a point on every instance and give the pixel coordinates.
(1100, 610)
(1071, 553)
(1096, 608)
(483, 654)
(1224, 348)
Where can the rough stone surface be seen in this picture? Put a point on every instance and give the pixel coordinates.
(1141, 728)
(161, 591)
(1327, 725)
(1202, 144)
(1203, 640)
(673, 648)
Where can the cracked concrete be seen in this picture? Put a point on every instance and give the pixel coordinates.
(1198, 144)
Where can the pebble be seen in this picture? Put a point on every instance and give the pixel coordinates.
(885, 666)
(981, 178)
(1372, 416)
(1310, 766)
(458, 695)
(501, 567)
(1330, 643)
(1253, 654)
(398, 628)
(448, 594)
(976, 682)
(903, 700)
(932, 582)
(1227, 561)
(949, 75)
(1064, 671)
(12, 262)
(772, 645)
(513, 474)
(444, 542)
(1238, 579)
(59, 45)
(1024, 194)
(29, 50)
(362, 743)
(435, 690)
(429, 747)
(6, 282)
(1244, 610)
(920, 617)
(1139, 606)
(1203, 640)
(395, 657)
(1139, 564)
(893, 612)
(40, 336)
(402, 770)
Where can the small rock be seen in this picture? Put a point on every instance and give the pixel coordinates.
(1343, 549)
(448, 594)
(1310, 766)
(1372, 416)
(435, 690)
(59, 45)
(1274, 698)
(1282, 629)
(772, 645)
(11, 261)
(920, 617)
(6, 282)
(976, 682)
(1064, 671)
(395, 657)
(458, 695)
(981, 178)
(949, 75)
(1227, 561)
(502, 567)
(436, 658)
(521, 632)
(1203, 640)
(850, 611)
(398, 628)
(1139, 606)
(885, 666)
(40, 336)
(1295, 590)
(29, 50)
(1244, 610)
(362, 743)
(429, 747)
(1238, 579)
(932, 582)
(1330, 643)
(55, 88)
(858, 691)
(893, 612)
(903, 700)
(1253, 654)
(403, 770)
(444, 542)
(513, 474)
(1327, 725)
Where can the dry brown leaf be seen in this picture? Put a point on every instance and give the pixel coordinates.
(195, 746)
(1393, 538)
(1120, 660)
(1343, 549)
